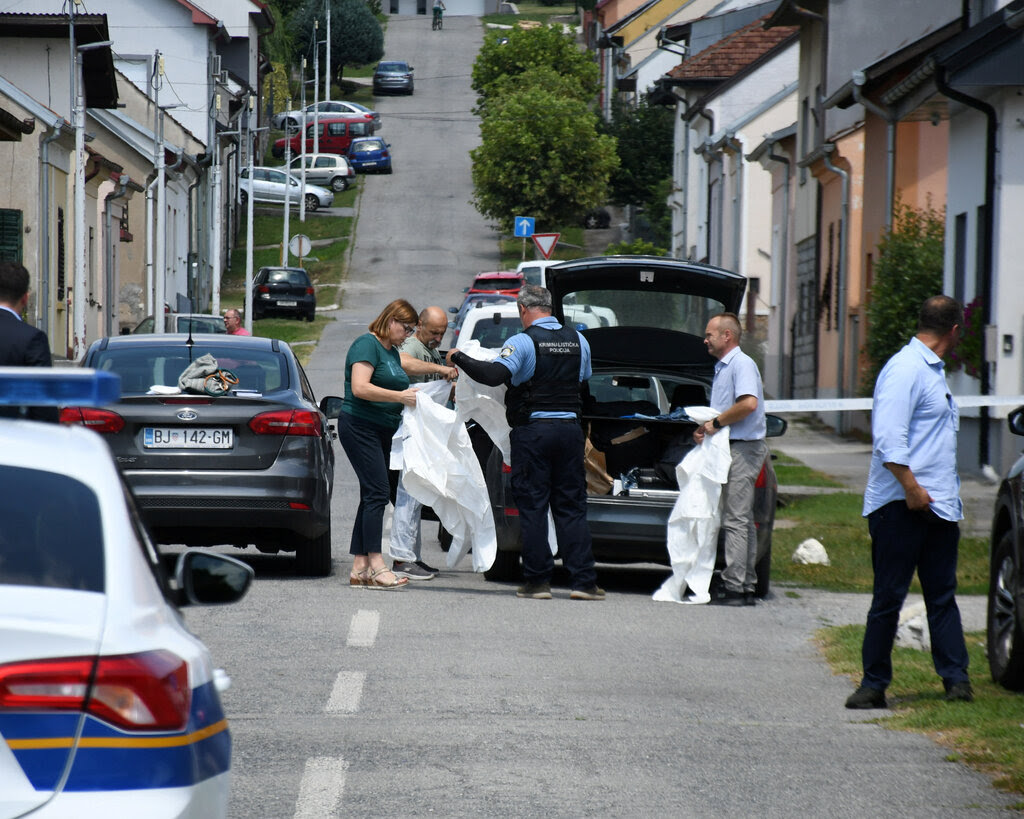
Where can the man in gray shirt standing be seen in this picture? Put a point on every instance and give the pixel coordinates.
(421, 362)
(738, 396)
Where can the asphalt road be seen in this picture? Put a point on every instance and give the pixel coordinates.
(455, 698)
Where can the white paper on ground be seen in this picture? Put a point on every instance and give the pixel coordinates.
(693, 524)
(440, 470)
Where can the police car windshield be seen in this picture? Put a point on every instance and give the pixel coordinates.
(51, 534)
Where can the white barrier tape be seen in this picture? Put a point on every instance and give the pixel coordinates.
(849, 404)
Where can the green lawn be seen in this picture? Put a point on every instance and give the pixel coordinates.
(985, 734)
(836, 521)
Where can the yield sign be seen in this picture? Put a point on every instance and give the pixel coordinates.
(546, 243)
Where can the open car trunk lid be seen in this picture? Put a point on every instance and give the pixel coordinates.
(644, 311)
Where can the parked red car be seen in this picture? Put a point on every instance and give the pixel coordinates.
(507, 282)
(336, 134)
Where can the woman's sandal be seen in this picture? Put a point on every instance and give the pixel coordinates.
(373, 583)
(357, 578)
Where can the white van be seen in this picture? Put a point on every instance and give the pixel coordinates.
(533, 272)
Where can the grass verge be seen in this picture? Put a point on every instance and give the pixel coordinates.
(836, 521)
(792, 472)
(987, 734)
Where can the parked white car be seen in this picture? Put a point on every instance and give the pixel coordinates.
(292, 119)
(109, 705)
(273, 184)
(533, 271)
(491, 325)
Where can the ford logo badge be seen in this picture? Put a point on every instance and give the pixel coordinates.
(188, 415)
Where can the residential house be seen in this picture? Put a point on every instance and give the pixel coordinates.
(728, 95)
(923, 110)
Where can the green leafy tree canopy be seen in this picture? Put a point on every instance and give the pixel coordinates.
(908, 271)
(541, 77)
(541, 155)
(645, 138)
(515, 51)
(356, 35)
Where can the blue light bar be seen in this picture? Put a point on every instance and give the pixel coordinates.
(44, 387)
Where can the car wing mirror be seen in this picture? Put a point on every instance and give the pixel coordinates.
(209, 579)
(1015, 420)
(330, 405)
(775, 426)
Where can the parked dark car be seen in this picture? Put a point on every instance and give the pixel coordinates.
(1006, 581)
(651, 360)
(370, 155)
(393, 76)
(253, 466)
(283, 291)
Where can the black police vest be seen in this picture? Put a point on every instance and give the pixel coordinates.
(555, 385)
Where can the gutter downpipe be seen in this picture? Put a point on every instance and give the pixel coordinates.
(841, 276)
(942, 85)
(150, 194)
(108, 278)
(45, 277)
(784, 268)
(737, 201)
(859, 78)
(711, 129)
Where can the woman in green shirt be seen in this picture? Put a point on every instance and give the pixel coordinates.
(376, 389)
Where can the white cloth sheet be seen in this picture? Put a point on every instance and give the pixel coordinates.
(692, 531)
(440, 470)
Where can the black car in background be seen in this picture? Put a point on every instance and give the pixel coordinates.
(252, 466)
(283, 291)
(1006, 583)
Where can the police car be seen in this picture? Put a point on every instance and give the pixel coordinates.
(109, 706)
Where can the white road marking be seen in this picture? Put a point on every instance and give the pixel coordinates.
(347, 691)
(323, 782)
(362, 631)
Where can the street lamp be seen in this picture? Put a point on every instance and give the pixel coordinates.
(78, 118)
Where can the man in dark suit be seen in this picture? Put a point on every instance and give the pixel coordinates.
(21, 344)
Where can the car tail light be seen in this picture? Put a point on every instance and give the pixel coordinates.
(762, 477)
(98, 420)
(142, 692)
(262, 289)
(309, 291)
(287, 422)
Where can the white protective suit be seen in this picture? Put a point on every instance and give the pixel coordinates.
(440, 470)
(695, 519)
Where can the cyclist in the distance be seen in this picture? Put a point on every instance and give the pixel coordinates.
(439, 9)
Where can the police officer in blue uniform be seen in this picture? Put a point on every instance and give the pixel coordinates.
(544, 367)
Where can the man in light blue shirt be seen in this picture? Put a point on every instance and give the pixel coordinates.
(912, 503)
(738, 396)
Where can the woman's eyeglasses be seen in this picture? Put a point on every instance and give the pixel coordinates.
(409, 328)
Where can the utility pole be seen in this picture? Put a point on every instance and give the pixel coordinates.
(316, 85)
(287, 188)
(302, 151)
(247, 116)
(160, 274)
(214, 209)
(327, 66)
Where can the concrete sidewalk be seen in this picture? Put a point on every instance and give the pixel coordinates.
(847, 460)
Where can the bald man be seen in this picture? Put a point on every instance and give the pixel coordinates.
(421, 362)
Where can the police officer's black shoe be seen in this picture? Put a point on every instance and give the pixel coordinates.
(960, 692)
(593, 593)
(535, 591)
(867, 697)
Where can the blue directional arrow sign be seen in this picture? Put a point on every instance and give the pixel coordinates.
(523, 227)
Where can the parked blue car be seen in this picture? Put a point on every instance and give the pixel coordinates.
(369, 155)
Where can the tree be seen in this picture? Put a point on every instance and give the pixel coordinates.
(909, 270)
(540, 155)
(356, 36)
(513, 52)
(540, 77)
(645, 138)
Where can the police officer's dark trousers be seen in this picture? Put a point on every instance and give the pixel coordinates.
(547, 467)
